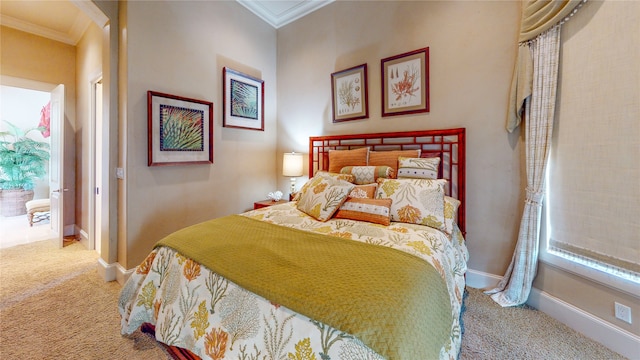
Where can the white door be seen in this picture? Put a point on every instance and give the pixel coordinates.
(56, 163)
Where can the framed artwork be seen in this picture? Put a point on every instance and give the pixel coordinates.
(349, 94)
(405, 83)
(243, 98)
(180, 130)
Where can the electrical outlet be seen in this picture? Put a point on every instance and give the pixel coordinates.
(622, 312)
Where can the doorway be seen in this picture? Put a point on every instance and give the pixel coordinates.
(24, 107)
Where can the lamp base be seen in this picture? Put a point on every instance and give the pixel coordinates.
(293, 185)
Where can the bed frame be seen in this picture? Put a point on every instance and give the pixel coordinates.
(448, 144)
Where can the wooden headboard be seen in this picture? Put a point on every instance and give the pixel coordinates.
(449, 143)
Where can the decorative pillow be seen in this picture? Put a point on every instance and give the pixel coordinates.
(390, 158)
(415, 201)
(434, 154)
(324, 195)
(451, 206)
(367, 191)
(341, 158)
(370, 210)
(346, 177)
(418, 168)
(368, 174)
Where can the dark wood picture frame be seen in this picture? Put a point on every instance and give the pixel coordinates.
(405, 83)
(180, 130)
(243, 100)
(350, 94)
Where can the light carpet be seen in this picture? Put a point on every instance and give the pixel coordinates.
(54, 305)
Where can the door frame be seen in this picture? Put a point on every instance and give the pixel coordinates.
(96, 156)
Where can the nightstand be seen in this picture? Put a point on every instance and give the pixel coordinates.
(265, 203)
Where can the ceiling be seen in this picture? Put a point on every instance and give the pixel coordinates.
(66, 21)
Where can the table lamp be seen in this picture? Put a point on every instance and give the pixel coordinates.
(292, 167)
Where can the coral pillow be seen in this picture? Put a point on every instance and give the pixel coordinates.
(451, 206)
(323, 196)
(415, 201)
(341, 158)
(367, 191)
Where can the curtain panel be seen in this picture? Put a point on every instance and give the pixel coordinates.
(538, 16)
(515, 286)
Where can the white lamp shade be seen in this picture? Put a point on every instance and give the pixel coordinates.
(292, 164)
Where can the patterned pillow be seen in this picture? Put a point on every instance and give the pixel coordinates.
(323, 196)
(451, 206)
(370, 210)
(390, 158)
(418, 168)
(346, 177)
(367, 191)
(341, 158)
(368, 174)
(415, 201)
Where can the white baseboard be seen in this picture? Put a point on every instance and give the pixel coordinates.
(607, 334)
(482, 280)
(84, 237)
(123, 274)
(113, 272)
(107, 271)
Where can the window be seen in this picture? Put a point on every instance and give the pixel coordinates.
(592, 203)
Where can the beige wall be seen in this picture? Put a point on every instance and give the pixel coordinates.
(180, 48)
(32, 57)
(470, 76)
(89, 67)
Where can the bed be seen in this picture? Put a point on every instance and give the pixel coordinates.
(367, 262)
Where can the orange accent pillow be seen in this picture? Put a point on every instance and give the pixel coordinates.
(367, 191)
(376, 211)
(390, 158)
(341, 158)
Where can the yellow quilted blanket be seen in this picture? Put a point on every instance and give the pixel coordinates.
(394, 302)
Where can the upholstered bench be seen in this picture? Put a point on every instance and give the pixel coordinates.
(41, 207)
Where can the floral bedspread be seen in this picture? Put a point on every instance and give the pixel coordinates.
(196, 309)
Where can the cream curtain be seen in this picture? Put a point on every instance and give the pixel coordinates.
(515, 286)
(538, 16)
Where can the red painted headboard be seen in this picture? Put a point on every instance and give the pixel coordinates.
(448, 143)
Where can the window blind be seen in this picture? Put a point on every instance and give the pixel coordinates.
(593, 196)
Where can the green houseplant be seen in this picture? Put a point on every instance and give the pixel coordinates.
(22, 161)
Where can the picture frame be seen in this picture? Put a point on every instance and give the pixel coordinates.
(180, 130)
(350, 94)
(243, 99)
(405, 83)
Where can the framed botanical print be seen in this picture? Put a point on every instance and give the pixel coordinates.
(405, 83)
(243, 99)
(180, 130)
(349, 94)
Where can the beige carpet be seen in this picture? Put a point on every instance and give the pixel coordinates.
(54, 305)
(494, 332)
